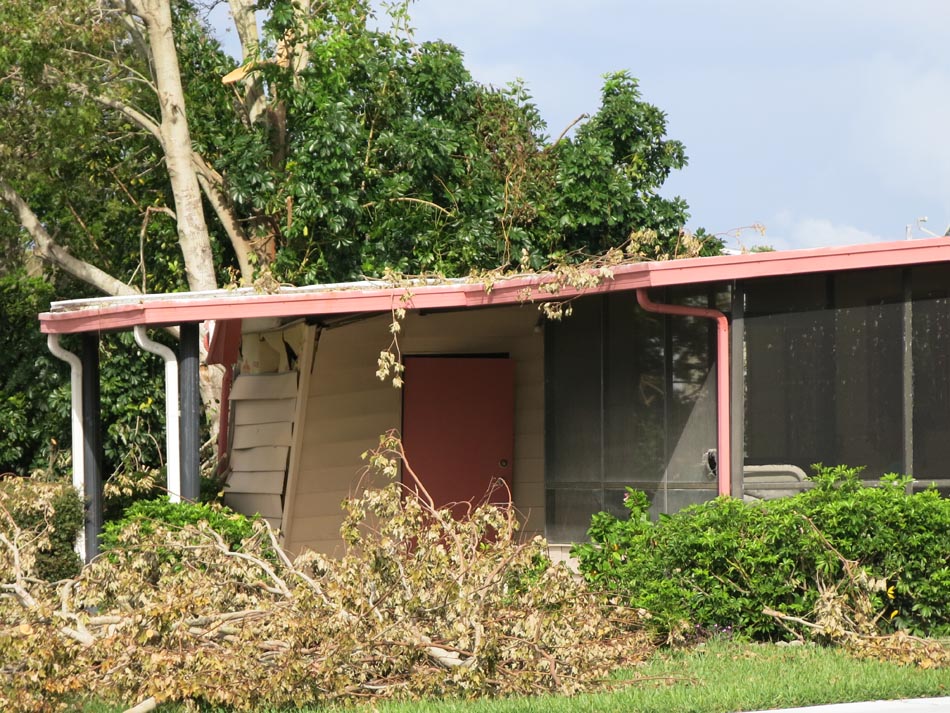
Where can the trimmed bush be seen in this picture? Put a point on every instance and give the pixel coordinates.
(719, 564)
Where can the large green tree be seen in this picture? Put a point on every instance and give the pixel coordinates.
(135, 155)
(337, 149)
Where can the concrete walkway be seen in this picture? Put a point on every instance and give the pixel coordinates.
(912, 705)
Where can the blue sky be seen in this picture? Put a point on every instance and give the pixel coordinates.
(825, 121)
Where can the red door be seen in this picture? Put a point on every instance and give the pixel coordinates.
(458, 426)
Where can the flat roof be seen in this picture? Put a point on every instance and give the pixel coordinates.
(374, 296)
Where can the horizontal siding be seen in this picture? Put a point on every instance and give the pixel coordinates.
(262, 434)
(353, 427)
(256, 482)
(322, 503)
(344, 478)
(265, 386)
(264, 411)
(349, 408)
(261, 458)
(320, 527)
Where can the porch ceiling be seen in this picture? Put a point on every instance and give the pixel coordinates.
(112, 313)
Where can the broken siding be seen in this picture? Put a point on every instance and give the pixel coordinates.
(349, 407)
(264, 409)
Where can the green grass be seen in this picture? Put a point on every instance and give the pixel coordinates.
(717, 677)
(726, 676)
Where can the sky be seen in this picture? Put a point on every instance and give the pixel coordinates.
(825, 121)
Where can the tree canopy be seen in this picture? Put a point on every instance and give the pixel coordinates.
(341, 147)
(137, 156)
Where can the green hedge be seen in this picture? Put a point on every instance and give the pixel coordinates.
(145, 518)
(716, 565)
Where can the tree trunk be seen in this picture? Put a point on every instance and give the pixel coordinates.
(176, 142)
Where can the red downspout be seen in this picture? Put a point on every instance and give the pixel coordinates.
(723, 460)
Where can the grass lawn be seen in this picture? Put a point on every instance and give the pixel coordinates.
(717, 677)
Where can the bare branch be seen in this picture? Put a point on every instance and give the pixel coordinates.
(45, 247)
(211, 182)
(246, 25)
(149, 704)
(134, 115)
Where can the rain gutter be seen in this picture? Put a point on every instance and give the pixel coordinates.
(172, 442)
(75, 390)
(723, 451)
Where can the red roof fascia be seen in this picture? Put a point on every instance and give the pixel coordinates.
(457, 295)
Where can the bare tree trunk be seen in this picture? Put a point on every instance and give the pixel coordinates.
(176, 142)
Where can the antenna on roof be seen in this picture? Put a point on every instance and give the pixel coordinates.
(908, 229)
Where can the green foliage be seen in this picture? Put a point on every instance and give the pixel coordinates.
(399, 159)
(720, 563)
(144, 517)
(47, 516)
(34, 400)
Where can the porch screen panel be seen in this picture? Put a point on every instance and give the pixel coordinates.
(931, 372)
(573, 396)
(630, 401)
(824, 371)
(869, 344)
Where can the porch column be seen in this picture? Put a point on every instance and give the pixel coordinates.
(737, 381)
(92, 442)
(907, 372)
(190, 420)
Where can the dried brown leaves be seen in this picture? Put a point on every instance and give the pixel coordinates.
(420, 604)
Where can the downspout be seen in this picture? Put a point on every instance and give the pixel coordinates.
(723, 450)
(75, 388)
(172, 443)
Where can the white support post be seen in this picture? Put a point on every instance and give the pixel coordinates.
(172, 442)
(77, 445)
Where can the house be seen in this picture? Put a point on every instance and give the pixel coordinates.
(686, 379)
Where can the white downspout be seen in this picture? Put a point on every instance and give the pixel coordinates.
(78, 435)
(172, 443)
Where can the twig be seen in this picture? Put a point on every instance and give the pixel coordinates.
(407, 199)
(566, 129)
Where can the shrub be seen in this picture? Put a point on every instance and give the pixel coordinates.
(144, 515)
(157, 521)
(722, 563)
(47, 518)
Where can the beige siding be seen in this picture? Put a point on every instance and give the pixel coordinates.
(264, 443)
(271, 481)
(262, 458)
(348, 408)
(265, 386)
(262, 434)
(264, 411)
